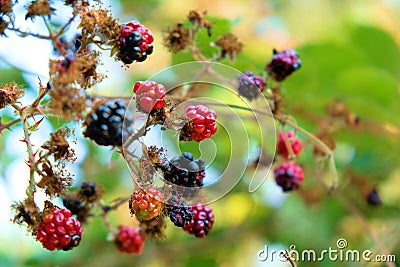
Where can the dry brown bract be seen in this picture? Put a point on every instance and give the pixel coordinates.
(58, 146)
(177, 37)
(230, 45)
(27, 212)
(70, 78)
(198, 18)
(154, 228)
(5, 6)
(56, 180)
(39, 8)
(9, 94)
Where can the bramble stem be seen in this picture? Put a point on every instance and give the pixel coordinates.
(24, 34)
(31, 161)
(56, 43)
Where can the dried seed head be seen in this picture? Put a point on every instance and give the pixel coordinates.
(39, 8)
(230, 45)
(3, 26)
(90, 192)
(154, 228)
(27, 212)
(56, 180)
(5, 6)
(198, 18)
(59, 147)
(337, 109)
(177, 37)
(9, 94)
(98, 22)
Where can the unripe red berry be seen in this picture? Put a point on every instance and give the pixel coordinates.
(146, 204)
(149, 95)
(129, 240)
(59, 231)
(291, 140)
(203, 120)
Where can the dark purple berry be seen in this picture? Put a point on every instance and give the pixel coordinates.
(289, 176)
(250, 85)
(283, 64)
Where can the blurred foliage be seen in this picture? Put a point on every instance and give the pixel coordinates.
(361, 68)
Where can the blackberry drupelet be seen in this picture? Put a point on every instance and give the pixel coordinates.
(105, 124)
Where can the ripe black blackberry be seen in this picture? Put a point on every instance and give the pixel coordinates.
(250, 85)
(283, 64)
(73, 203)
(184, 170)
(179, 212)
(105, 124)
(373, 198)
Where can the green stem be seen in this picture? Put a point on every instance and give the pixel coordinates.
(31, 161)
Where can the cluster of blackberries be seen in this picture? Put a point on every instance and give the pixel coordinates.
(136, 42)
(105, 125)
(185, 171)
(250, 85)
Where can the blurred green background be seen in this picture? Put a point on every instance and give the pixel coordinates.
(350, 51)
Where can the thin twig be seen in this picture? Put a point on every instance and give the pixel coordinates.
(24, 34)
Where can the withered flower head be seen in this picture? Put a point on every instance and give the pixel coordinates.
(177, 37)
(56, 180)
(154, 228)
(27, 212)
(198, 18)
(67, 102)
(38, 8)
(59, 147)
(5, 6)
(90, 192)
(230, 45)
(9, 94)
(98, 22)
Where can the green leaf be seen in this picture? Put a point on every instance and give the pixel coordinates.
(378, 47)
